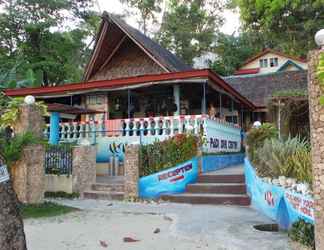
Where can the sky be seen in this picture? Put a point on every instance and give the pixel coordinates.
(232, 22)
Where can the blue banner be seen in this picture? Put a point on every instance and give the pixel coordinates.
(281, 205)
(169, 181)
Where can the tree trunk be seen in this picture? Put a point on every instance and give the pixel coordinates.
(12, 236)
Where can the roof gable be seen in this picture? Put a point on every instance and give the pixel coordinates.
(287, 64)
(110, 37)
(268, 51)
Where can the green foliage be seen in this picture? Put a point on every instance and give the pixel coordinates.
(287, 25)
(46, 209)
(61, 194)
(290, 158)
(188, 27)
(11, 149)
(165, 154)
(147, 8)
(11, 113)
(303, 232)
(320, 76)
(232, 51)
(257, 136)
(30, 41)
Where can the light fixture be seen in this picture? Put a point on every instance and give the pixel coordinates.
(319, 38)
(29, 100)
(257, 124)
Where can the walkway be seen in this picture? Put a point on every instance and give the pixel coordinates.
(182, 227)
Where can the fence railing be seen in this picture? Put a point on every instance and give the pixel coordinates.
(143, 127)
(58, 160)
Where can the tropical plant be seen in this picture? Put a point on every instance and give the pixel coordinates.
(11, 112)
(290, 158)
(303, 232)
(165, 154)
(257, 136)
(320, 76)
(11, 149)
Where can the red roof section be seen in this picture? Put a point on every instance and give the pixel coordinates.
(266, 51)
(247, 71)
(129, 81)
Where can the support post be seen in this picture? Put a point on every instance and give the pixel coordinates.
(204, 102)
(316, 112)
(128, 103)
(220, 105)
(54, 128)
(176, 95)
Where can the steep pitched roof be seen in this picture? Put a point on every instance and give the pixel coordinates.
(266, 51)
(259, 88)
(111, 34)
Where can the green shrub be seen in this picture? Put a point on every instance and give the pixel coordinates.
(257, 136)
(11, 150)
(165, 154)
(303, 232)
(290, 158)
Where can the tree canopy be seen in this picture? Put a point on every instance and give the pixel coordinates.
(189, 27)
(288, 25)
(33, 36)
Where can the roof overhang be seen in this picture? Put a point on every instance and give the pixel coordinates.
(131, 82)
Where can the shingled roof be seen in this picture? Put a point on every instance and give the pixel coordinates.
(113, 30)
(258, 88)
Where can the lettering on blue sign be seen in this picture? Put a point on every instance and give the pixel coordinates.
(176, 172)
(223, 144)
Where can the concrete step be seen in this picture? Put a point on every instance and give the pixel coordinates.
(213, 199)
(103, 195)
(237, 178)
(119, 187)
(217, 188)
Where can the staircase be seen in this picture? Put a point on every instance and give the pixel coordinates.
(106, 188)
(222, 187)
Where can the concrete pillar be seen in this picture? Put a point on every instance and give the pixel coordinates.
(28, 175)
(176, 95)
(203, 100)
(316, 112)
(131, 171)
(83, 168)
(54, 137)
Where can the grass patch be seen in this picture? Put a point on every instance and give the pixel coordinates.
(61, 194)
(46, 209)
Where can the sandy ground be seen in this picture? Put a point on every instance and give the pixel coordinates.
(104, 224)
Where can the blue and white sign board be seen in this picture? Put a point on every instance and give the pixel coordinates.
(169, 181)
(281, 205)
(4, 175)
(222, 138)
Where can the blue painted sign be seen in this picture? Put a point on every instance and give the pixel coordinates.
(169, 181)
(281, 205)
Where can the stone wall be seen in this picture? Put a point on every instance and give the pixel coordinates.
(28, 175)
(30, 120)
(317, 140)
(131, 171)
(83, 168)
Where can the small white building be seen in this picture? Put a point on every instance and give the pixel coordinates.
(270, 61)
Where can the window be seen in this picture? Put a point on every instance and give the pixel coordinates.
(263, 63)
(274, 62)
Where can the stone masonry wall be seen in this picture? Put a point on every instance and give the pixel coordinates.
(83, 168)
(131, 171)
(30, 120)
(28, 175)
(317, 140)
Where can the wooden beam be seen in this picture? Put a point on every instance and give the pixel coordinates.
(113, 53)
(96, 51)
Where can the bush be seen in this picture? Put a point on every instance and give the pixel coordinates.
(290, 158)
(165, 154)
(11, 149)
(303, 232)
(257, 136)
